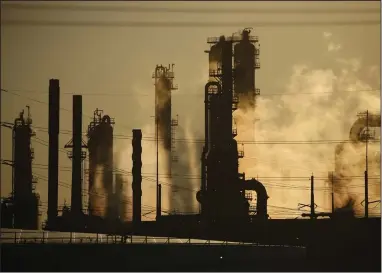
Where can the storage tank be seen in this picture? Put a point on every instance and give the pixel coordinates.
(100, 146)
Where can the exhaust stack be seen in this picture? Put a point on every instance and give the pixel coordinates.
(137, 175)
(54, 128)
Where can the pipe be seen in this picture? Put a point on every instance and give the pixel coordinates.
(262, 196)
(206, 131)
(206, 112)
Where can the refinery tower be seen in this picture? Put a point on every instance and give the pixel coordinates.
(100, 147)
(25, 202)
(225, 194)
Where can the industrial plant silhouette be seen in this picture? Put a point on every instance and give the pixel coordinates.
(227, 212)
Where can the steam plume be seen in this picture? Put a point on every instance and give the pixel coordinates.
(325, 113)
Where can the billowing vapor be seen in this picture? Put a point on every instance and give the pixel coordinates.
(121, 200)
(148, 173)
(186, 170)
(313, 107)
(98, 194)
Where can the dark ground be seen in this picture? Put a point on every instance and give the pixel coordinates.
(125, 257)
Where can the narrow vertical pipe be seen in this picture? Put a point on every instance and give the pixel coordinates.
(54, 127)
(332, 192)
(367, 168)
(312, 212)
(159, 200)
(76, 206)
(137, 175)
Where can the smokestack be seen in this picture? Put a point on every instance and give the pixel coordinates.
(77, 160)
(137, 175)
(54, 128)
(312, 211)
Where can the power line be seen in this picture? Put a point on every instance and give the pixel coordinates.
(193, 94)
(247, 142)
(142, 24)
(216, 10)
(189, 140)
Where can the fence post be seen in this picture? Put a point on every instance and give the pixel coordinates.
(43, 237)
(97, 238)
(70, 238)
(15, 237)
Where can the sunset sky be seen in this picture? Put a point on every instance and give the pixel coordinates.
(112, 68)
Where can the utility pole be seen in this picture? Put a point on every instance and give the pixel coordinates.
(312, 212)
(312, 205)
(367, 136)
(367, 168)
(332, 193)
(157, 176)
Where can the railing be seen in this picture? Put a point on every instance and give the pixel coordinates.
(41, 237)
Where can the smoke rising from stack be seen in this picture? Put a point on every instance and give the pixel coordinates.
(148, 172)
(327, 114)
(188, 164)
(98, 194)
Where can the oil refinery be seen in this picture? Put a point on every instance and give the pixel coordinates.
(227, 208)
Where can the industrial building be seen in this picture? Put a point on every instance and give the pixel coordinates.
(246, 51)
(100, 147)
(221, 180)
(225, 195)
(164, 123)
(21, 209)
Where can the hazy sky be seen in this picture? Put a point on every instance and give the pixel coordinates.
(119, 61)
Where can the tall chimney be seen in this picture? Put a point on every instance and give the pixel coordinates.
(76, 206)
(137, 175)
(54, 128)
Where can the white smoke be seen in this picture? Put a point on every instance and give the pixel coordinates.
(97, 195)
(313, 107)
(148, 172)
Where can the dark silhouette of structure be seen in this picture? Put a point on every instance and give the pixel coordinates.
(221, 180)
(137, 176)
(7, 212)
(21, 209)
(100, 146)
(226, 213)
(54, 129)
(77, 155)
(26, 201)
(165, 125)
(246, 61)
